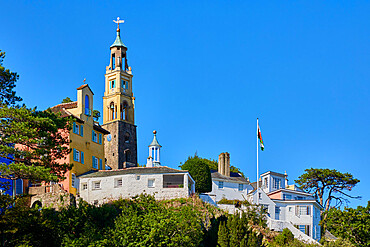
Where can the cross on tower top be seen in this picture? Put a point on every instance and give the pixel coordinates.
(118, 21)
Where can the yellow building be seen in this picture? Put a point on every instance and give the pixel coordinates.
(86, 138)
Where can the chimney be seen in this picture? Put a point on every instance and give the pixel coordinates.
(224, 164)
(286, 179)
(221, 163)
(227, 164)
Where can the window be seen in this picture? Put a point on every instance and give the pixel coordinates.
(260, 196)
(138, 177)
(276, 183)
(277, 213)
(124, 85)
(78, 156)
(287, 197)
(304, 228)
(118, 182)
(73, 180)
(100, 138)
(240, 187)
(78, 129)
(94, 136)
(173, 181)
(87, 105)
(127, 137)
(302, 210)
(95, 162)
(266, 180)
(220, 185)
(151, 183)
(19, 186)
(84, 186)
(113, 61)
(300, 198)
(96, 185)
(290, 209)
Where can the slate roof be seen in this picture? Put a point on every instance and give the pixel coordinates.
(118, 41)
(132, 170)
(234, 177)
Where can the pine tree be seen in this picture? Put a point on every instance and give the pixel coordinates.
(223, 235)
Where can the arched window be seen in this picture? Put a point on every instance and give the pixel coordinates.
(128, 156)
(87, 105)
(111, 108)
(127, 137)
(124, 111)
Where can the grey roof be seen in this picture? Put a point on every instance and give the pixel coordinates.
(155, 142)
(235, 177)
(118, 41)
(132, 170)
(254, 185)
(274, 173)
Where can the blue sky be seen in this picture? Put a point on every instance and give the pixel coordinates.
(205, 70)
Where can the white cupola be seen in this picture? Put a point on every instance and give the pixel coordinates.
(154, 152)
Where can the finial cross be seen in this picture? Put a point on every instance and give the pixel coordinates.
(118, 21)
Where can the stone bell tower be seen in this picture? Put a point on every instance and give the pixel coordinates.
(119, 108)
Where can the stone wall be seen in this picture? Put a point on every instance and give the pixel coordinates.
(51, 196)
(116, 148)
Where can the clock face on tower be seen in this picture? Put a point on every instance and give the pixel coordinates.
(109, 137)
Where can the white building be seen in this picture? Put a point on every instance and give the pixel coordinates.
(226, 184)
(161, 182)
(287, 205)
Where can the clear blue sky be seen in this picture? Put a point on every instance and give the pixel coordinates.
(205, 70)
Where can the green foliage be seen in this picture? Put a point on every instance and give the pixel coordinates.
(328, 185)
(66, 100)
(285, 237)
(338, 243)
(96, 115)
(223, 235)
(7, 84)
(200, 172)
(38, 143)
(349, 223)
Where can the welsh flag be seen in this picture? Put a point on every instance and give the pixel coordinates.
(260, 138)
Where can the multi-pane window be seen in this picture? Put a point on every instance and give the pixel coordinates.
(287, 197)
(300, 198)
(220, 184)
(100, 138)
(96, 185)
(118, 182)
(276, 183)
(240, 187)
(78, 129)
(151, 183)
(94, 136)
(73, 180)
(303, 210)
(266, 182)
(78, 156)
(84, 186)
(95, 162)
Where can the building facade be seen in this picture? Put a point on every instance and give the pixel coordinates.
(87, 138)
(225, 184)
(119, 109)
(161, 182)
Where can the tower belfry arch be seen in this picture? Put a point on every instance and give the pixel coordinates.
(119, 108)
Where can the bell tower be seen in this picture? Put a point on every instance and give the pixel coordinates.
(119, 108)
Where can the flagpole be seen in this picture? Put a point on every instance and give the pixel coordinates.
(257, 167)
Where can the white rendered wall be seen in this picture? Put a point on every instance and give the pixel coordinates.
(230, 191)
(131, 187)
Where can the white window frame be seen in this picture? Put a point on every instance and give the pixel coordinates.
(276, 183)
(151, 183)
(84, 186)
(94, 183)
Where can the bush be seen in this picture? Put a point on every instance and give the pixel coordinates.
(200, 172)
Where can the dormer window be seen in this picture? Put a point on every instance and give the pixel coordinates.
(276, 183)
(87, 105)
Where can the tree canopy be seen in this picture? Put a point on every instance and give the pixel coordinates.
(7, 84)
(350, 223)
(200, 172)
(66, 100)
(328, 185)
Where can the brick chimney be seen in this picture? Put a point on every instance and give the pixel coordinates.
(224, 164)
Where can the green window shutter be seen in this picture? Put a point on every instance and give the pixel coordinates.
(101, 164)
(82, 157)
(81, 130)
(100, 140)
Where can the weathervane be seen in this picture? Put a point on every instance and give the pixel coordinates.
(118, 21)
